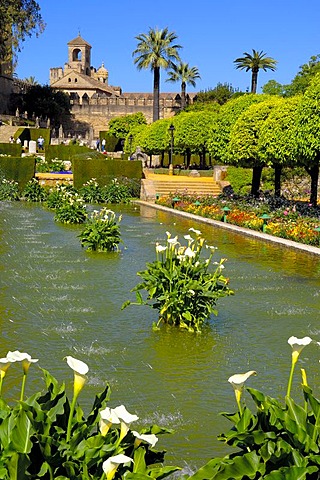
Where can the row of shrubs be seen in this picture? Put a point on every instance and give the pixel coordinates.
(117, 191)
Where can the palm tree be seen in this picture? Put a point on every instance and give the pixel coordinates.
(254, 63)
(155, 50)
(181, 72)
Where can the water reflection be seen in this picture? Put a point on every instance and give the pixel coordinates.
(58, 300)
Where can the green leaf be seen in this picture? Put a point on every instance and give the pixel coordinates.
(21, 433)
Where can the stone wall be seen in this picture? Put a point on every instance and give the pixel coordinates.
(97, 112)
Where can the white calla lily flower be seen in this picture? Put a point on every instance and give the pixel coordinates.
(189, 238)
(107, 418)
(110, 465)
(237, 381)
(197, 232)
(77, 365)
(298, 345)
(173, 241)
(80, 370)
(151, 439)
(23, 357)
(160, 248)
(189, 253)
(126, 419)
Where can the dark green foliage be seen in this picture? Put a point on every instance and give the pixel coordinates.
(20, 170)
(10, 149)
(112, 142)
(66, 152)
(240, 179)
(220, 94)
(71, 209)
(104, 170)
(9, 189)
(43, 101)
(121, 126)
(34, 192)
(91, 192)
(117, 192)
(101, 232)
(35, 445)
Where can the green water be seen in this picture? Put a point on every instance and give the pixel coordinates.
(58, 300)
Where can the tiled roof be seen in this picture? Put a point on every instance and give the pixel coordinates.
(79, 41)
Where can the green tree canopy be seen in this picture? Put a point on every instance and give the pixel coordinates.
(155, 50)
(308, 134)
(221, 93)
(186, 75)
(19, 19)
(277, 139)
(44, 102)
(273, 88)
(219, 134)
(243, 147)
(304, 77)
(121, 126)
(255, 62)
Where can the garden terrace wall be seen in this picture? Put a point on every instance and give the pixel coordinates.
(19, 169)
(104, 170)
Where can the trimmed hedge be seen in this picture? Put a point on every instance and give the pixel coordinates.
(64, 152)
(112, 142)
(12, 149)
(104, 170)
(19, 169)
(33, 134)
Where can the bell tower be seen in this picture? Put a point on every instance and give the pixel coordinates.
(79, 56)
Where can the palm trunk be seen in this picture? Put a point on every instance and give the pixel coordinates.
(254, 81)
(256, 179)
(183, 95)
(156, 93)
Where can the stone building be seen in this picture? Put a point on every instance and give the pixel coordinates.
(93, 101)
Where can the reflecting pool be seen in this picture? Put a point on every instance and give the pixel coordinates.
(56, 300)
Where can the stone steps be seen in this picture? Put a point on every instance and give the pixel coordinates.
(155, 186)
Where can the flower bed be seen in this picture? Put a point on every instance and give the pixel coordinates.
(297, 221)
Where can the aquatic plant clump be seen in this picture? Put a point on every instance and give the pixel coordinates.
(71, 209)
(102, 231)
(48, 436)
(279, 441)
(181, 285)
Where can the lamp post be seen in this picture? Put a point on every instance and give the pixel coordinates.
(171, 130)
(130, 145)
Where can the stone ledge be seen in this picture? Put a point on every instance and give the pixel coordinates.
(244, 231)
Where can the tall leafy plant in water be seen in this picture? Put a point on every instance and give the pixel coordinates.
(47, 436)
(182, 285)
(281, 440)
(102, 231)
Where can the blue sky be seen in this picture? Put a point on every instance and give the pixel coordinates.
(212, 34)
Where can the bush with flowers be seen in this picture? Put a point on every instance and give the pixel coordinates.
(72, 209)
(9, 189)
(47, 436)
(34, 192)
(181, 284)
(102, 231)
